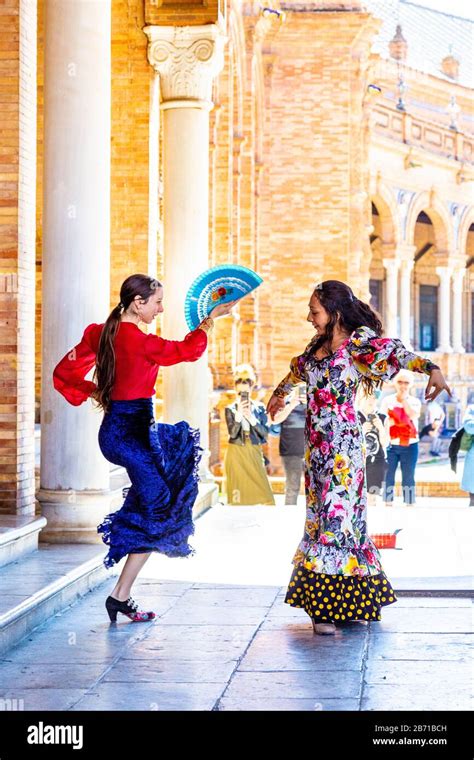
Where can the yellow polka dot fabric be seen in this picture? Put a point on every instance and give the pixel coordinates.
(339, 598)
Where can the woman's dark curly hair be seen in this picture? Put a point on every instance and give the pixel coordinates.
(344, 307)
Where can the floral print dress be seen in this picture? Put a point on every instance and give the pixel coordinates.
(338, 575)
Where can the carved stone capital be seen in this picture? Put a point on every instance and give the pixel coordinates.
(187, 58)
(458, 279)
(391, 265)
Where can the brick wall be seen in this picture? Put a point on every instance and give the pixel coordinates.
(315, 158)
(17, 229)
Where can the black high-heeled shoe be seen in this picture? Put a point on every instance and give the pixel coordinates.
(128, 608)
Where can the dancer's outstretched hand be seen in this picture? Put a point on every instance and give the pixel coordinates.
(275, 404)
(436, 384)
(222, 309)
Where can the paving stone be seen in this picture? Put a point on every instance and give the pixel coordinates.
(460, 581)
(420, 646)
(235, 587)
(427, 620)
(288, 705)
(236, 647)
(213, 643)
(279, 650)
(43, 699)
(302, 623)
(153, 697)
(282, 610)
(185, 614)
(41, 675)
(399, 672)
(171, 670)
(433, 601)
(231, 597)
(18, 586)
(93, 645)
(416, 697)
(161, 588)
(297, 684)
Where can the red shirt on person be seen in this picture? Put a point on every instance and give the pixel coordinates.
(138, 358)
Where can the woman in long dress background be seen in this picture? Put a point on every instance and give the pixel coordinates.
(338, 575)
(244, 466)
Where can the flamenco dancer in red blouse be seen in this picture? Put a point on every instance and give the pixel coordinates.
(161, 460)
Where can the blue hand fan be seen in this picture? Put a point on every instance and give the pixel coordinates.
(221, 284)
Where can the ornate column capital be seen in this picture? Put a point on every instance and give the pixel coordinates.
(392, 265)
(407, 266)
(406, 251)
(444, 273)
(458, 278)
(187, 58)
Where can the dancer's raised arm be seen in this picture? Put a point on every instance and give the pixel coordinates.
(382, 358)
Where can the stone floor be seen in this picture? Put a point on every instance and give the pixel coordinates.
(221, 647)
(225, 640)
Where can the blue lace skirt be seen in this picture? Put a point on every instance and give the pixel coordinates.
(162, 463)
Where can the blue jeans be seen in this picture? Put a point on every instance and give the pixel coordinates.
(407, 457)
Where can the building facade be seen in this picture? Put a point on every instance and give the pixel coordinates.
(307, 141)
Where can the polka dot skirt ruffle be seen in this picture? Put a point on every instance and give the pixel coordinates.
(339, 598)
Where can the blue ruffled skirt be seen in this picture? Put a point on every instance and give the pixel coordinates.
(162, 463)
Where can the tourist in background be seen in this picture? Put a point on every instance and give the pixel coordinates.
(291, 422)
(403, 413)
(376, 442)
(434, 427)
(247, 422)
(467, 482)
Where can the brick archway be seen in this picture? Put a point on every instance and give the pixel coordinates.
(466, 223)
(386, 206)
(439, 217)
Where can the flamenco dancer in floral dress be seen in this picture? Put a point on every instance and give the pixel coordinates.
(161, 460)
(338, 575)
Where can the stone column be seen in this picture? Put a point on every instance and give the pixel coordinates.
(187, 59)
(74, 492)
(458, 277)
(405, 301)
(391, 297)
(444, 309)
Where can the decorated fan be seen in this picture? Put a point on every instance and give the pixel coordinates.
(221, 284)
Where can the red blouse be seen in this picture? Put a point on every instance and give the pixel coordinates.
(138, 358)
